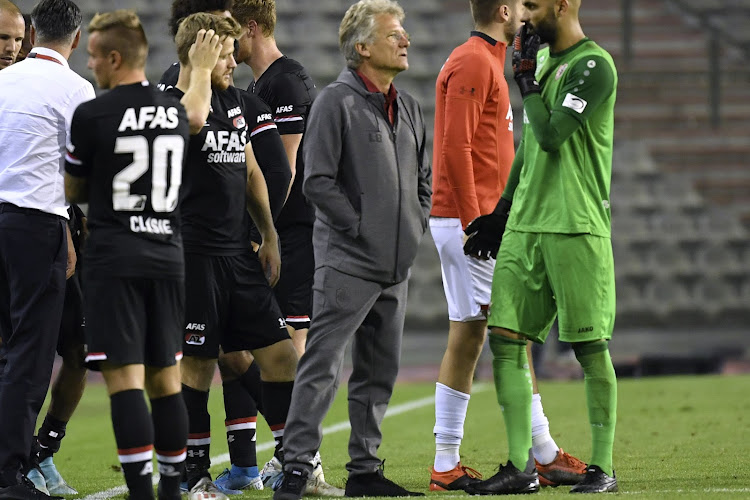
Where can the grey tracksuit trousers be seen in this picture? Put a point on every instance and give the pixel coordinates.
(344, 307)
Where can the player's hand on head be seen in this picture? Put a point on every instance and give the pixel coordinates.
(525, 48)
(204, 53)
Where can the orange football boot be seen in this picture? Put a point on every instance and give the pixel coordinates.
(457, 478)
(564, 469)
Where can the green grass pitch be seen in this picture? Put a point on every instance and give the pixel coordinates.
(677, 437)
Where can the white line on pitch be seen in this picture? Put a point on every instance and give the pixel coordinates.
(338, 427)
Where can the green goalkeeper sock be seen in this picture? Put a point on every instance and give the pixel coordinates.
(510, 367)
(600, 385)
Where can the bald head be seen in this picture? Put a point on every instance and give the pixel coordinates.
(12, 30)
(8, 7)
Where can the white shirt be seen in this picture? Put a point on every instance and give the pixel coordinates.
(37, 100)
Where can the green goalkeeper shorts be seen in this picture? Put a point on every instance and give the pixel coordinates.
(542, 275)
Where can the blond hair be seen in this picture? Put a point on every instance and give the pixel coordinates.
(121, 31)
(358, 26)
(262, 12)
(192, 24)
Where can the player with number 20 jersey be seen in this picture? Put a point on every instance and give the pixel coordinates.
(130, 144)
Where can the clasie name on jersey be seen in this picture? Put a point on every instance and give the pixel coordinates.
(149, 116)
(151, 225)
(226, 146)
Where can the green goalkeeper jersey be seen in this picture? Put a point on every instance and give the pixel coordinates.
(565, 157)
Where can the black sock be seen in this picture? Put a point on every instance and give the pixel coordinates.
(134, 435)
(170, 419)
(199, 434)
(50, 435)
(241, 418)
(276, 399)
(250, 380)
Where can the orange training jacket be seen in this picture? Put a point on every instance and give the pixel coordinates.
(473, 142)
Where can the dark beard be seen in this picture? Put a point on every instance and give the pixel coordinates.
(547, 29)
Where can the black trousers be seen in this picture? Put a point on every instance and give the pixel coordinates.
(33, 258)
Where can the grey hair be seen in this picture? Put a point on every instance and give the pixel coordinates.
(358, 26)
(56, 21)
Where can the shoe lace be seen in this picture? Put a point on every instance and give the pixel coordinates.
(207, 486)
(472, 473)
(574, 462)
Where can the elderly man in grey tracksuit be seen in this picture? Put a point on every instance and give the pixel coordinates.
(369, 178)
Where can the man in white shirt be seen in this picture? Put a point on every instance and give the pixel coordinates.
(37, 99)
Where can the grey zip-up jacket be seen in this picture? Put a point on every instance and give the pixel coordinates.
(370, 182)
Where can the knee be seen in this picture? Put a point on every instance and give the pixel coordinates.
(162, 382)
(500, 337)
(233, 364)
(197, 372)
(593, 347)
(278, 362)
(74, 357)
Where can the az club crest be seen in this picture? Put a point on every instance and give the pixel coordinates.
(239, 122)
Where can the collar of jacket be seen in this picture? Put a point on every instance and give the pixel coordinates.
(349, 77)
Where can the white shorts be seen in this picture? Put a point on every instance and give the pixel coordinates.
(467, 281)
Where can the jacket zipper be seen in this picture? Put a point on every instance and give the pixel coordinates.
(394, 138)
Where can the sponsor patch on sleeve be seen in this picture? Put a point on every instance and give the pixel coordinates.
(575, 103)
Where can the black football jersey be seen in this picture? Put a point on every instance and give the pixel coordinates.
(169, 78)
(130, 144)
(213, 199)
(289, 91)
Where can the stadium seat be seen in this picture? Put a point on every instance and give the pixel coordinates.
(720, 299)
(720, 259)
(675, 226)
(631, 227)
(674, 302)
(671, 260)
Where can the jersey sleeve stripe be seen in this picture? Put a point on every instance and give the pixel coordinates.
(262, 128)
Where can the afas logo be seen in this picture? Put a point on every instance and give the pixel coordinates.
(195, 338)
(284, 109)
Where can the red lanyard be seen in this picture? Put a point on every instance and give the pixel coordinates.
(37, 55)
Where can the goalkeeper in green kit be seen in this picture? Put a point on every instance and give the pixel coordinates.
(556, 253)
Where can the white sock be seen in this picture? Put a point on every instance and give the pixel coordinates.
(450, 414)
(542, 444)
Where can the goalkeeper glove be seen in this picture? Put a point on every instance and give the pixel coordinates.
(486, 232)
(525, 48)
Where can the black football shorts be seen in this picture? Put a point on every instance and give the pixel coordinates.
(294, 289)
(229, 303)
(133, 320)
